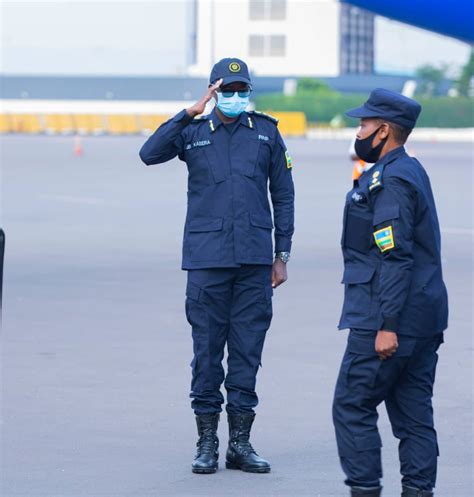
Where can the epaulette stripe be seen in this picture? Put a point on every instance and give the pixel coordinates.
(199, 119)
(266, 116)
(376, 181)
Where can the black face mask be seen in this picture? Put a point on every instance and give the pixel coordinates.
(365, 151)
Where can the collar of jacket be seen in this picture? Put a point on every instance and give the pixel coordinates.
(374, 176)
(391, 156)
(244, 119)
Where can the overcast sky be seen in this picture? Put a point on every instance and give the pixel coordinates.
(133, 38)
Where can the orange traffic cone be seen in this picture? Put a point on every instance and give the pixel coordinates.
(78, 150)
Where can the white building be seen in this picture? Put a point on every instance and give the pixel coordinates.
(168, 37)
(283, 37)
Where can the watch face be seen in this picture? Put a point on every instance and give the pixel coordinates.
(284, 256)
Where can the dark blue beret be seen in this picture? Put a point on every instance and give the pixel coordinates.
(390, 106)
(230, 70)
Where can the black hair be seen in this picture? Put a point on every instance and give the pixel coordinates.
(400, 133)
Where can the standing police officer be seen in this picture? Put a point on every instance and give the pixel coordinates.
(395, 304)
(233, 158)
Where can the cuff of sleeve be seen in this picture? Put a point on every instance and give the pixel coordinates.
(183, 118)
(282, 244)
(390, 323)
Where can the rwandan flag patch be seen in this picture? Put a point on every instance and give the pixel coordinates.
(384, 239)
(289, 161)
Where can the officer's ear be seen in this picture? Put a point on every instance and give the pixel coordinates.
(384, 130)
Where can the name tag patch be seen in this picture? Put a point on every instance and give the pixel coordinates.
(384, 239)
(263, 137)
(201, 143)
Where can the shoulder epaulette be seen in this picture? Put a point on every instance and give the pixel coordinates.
(200, 119)
(274, 120)
(376, 178)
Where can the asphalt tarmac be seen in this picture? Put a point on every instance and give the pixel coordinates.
(96, 347)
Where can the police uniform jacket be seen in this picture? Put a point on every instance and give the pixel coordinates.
(229, 220)
(392, 251)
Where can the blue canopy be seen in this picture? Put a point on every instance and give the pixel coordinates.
(455, 19)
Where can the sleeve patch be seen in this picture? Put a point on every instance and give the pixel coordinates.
(384, 239)
(289, 160)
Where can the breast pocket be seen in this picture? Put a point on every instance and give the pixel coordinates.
(244, 156)
(204, 167)
(358, 229)
(219, 169)
(199, 174)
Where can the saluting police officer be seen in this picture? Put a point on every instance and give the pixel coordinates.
(395, 304)
(233, 157)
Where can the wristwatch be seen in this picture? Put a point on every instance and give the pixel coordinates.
(283, 256)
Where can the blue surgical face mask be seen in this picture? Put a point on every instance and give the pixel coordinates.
(232, 106)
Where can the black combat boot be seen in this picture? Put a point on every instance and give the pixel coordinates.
(366, 491)
(414, 492)
(241, 454)
(207, 445)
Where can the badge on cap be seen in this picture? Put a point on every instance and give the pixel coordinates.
(384, 239)
(234, 67)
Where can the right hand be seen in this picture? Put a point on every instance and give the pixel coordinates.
(386, 344)
(200, 105)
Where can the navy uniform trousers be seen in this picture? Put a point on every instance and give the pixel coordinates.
(405, 383)
(233, 307)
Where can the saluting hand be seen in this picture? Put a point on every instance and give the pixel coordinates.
(200, 105)
(386, 344)
(279, 273)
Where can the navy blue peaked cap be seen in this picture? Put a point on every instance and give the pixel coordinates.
(390, 106)
(230, 70)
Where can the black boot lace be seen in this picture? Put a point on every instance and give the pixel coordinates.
(242, 444)
(207, 442)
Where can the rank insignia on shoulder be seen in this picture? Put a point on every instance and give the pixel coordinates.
(199, 119)
(374, 185)
(266, 116)
(289, 160)
(376, 181)
(384, 239)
